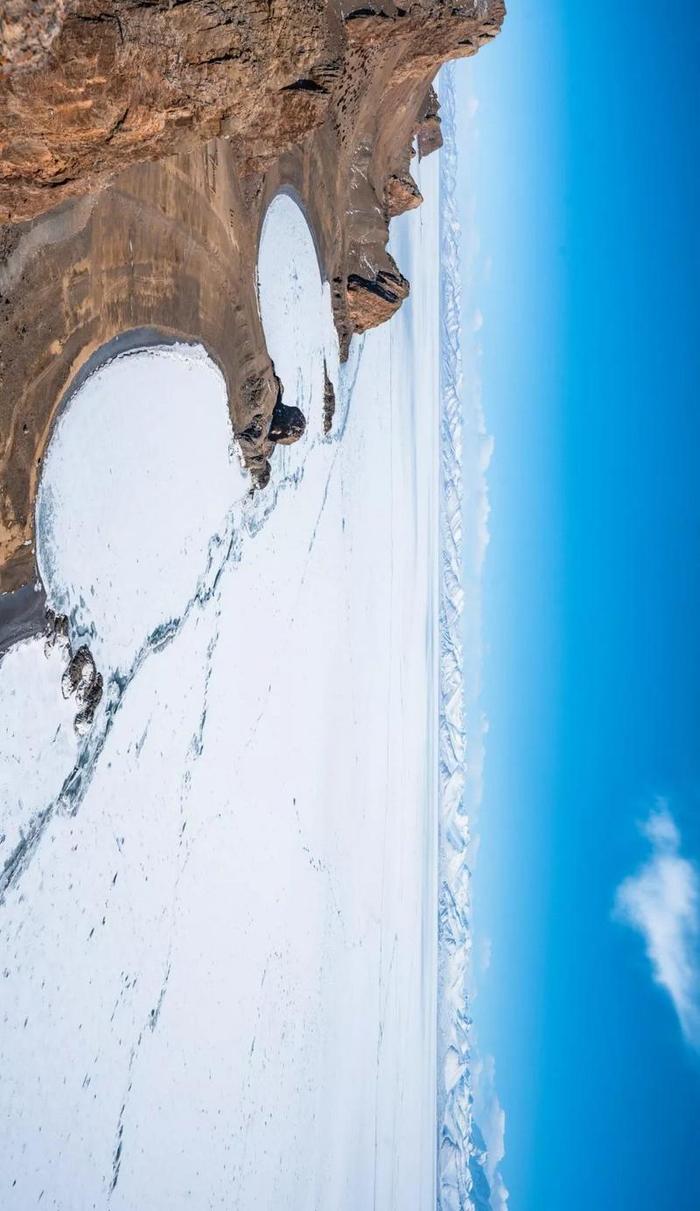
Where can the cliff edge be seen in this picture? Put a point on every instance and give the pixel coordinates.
(140, 144)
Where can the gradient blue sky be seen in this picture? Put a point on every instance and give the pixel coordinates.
(585, 171)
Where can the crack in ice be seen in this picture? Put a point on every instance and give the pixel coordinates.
(224, 550)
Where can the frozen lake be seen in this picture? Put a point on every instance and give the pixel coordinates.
(219, 903)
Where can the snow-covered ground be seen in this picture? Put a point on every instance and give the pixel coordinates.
(218, 917)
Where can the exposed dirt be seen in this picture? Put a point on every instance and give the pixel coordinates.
(140, 143)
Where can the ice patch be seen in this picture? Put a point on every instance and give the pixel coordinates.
(295, 308)
(140, 474)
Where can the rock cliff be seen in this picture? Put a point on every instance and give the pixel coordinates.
(140, 143)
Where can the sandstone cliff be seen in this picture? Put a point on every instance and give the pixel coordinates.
(140, 143)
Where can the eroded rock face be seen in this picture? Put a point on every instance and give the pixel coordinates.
(140, 144)
(401, 194)
(373, 300)
(27, 31)
(127, 81)
(428, 132)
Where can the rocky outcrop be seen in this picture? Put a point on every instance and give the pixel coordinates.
(373, 300)
(287, 425)
(401, 194)
(328, 400)
(81, 679)
(140, 143)
(428, 130)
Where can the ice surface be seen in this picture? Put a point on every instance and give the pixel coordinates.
(295, 307)
(218, 932)
(140, 475)
(38, 746)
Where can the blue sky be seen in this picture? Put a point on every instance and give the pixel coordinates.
(582, 165)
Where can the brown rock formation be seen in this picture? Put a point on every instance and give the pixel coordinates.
(117, 82)
(374, 299)
(401, 193)
(328, 400)
(140, 143)
(428, 132)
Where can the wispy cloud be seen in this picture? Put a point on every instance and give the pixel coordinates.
(662, 902)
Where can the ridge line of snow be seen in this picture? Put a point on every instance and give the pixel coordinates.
(454, 1092)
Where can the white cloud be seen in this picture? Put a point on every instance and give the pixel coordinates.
(485, 950)
(662, 901)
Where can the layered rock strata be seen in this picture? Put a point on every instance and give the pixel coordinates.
(140, 144)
